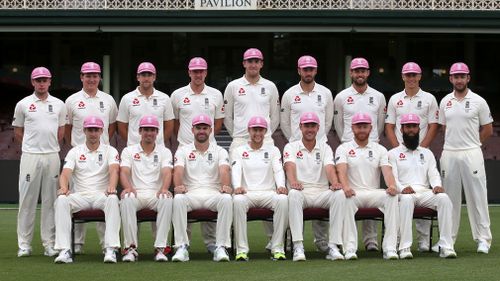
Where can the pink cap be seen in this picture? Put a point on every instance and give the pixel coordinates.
(197, 63)
(307, 61)
(146, 67)
(309, 117)
(459, 68)
(257, 122)
(410, 118)
(202, 119)
(361, 118)
(93, 122)
(253, 53)
(40, 72)
(149, 121)
(90, 67)
(359, 63)
(411, 67)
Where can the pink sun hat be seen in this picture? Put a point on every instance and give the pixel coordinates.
(40, 72)
(93, 122)
(202, 119)
(360, 117)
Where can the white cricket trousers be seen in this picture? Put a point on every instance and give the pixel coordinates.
(66, 205)
(466, 168)
(38, 174)
(222, 203)
(260, 199)
(146, 199)
(376, 198)
(427, 199)
(317, 198)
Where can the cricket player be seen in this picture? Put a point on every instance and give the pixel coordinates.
(312, 182)
(359, 163)
(308, 95)
(467, 123)
(259, 182)
(145, 100)
(413, 100)
(360, 97)
(419, 182)
(145, 175)
(93, 167)
(248, 96)
(202, 180)
(38, 123)
(89, 101)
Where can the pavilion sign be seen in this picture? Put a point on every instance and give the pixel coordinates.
(225, 4)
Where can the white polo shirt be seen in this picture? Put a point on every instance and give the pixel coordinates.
(310, 165)
(257, 170)
(295, 102)
(146, 168)
(463, 120)
(201, 170)
(186, 105)
(244, 100)
(41, 120)
(349, 102)
(135, 105)
(415, 168)
(91, 168)
(80, 105)
(363, 163)
(422, 104)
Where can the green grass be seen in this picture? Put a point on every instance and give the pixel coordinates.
(370, 266)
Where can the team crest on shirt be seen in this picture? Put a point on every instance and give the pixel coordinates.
(81, 105)
(350, 100)
(266, 157)
(296, 99)
(156, 159)
(99, 159)
(244, 155)
(191, 156)
(467, 106)
(186, 101)
(318, 158)
(263, 91)
(370, 155)
(32, 108)
(370, 101)
(300, 155)
(352, 153)
(210, 158)
(399, 103)
(137, 157)
(319, 101)
(155, 102)
(419, 104)
(82, 158)
(241, 92)
(422, 159)
(207, 103)
(136, 102)
(402, 156)
(50, 108)
(101, 106)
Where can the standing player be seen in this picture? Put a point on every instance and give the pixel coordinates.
(359, 163)
(202, 180)
(308, 96)
(360, 98)
(312, 180)
(467, 123)
(413, 100)
(39, 125)
(93, 167)
(418, 180)
(145, 100)
(249, 96)
(145, 175)
(259, 181)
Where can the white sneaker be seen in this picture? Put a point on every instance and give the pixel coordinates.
(160, 255)
(405, 254)
(50, 252)
(110, 255)
(181, 255)
(268, 246)
(482, 247)
(23, 253)
(298, 254)
(220, 254)
(390, 255)
(371, 247)
(423, 247)
(322, 246)
(351, 255)
(334, 254)
(447, 253)
(78, 249)
(435, 248)
(131, 255)
(64, 257)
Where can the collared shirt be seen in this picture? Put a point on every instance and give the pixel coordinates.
(463, 119)
(295, 102)
(415, 168)
(257, 170)
(201, 169)
(186, 105)
(135, 105)
(91, 168)
(244, 100)
(146, 169)
(349, 102)
(80, 105)
(40, 120)
(422, 104)
(310, 165)
(363, 163)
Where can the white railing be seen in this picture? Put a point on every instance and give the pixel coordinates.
(443, 5)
